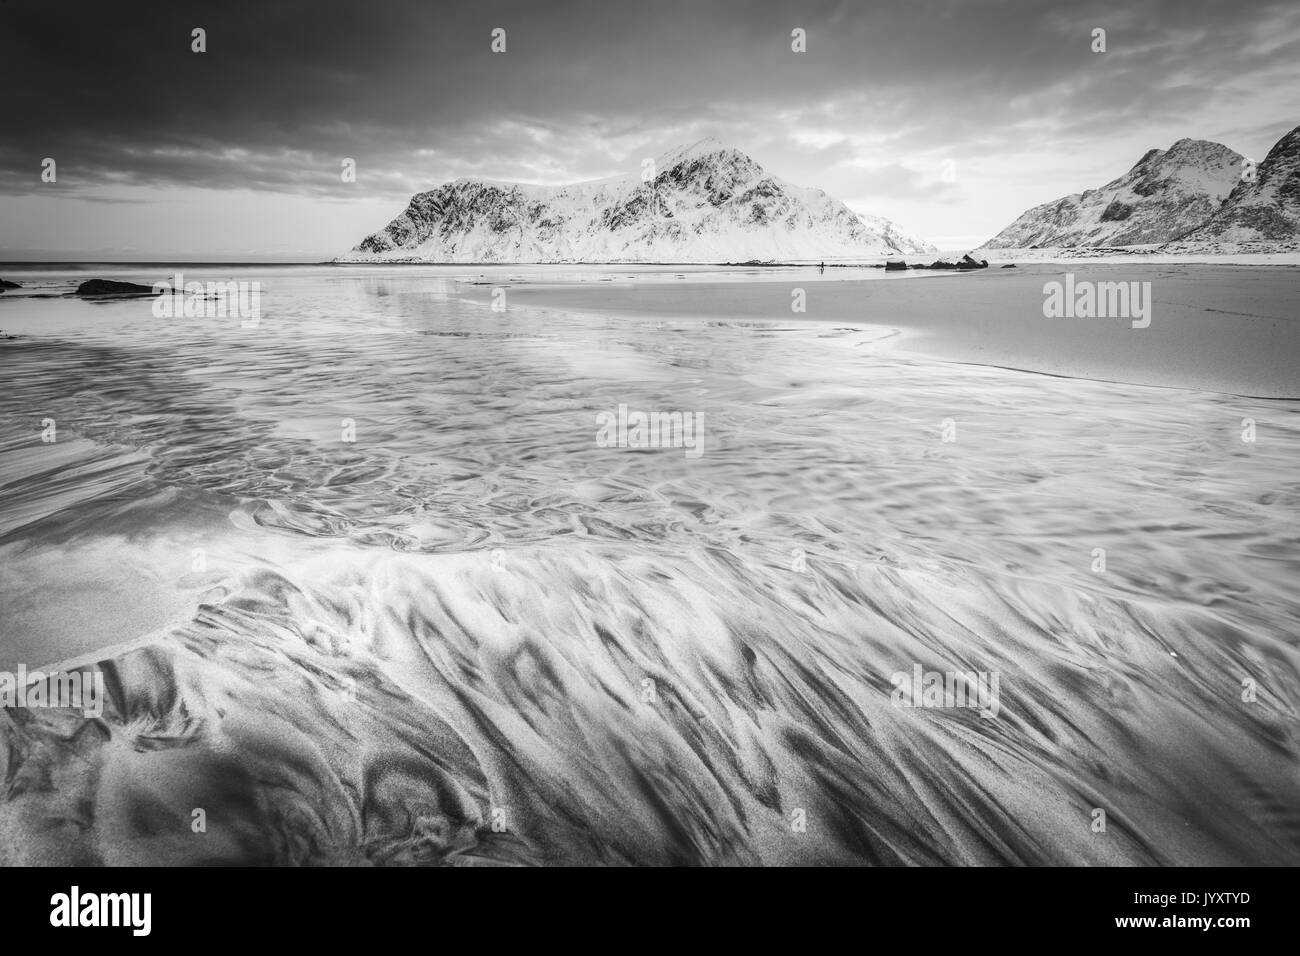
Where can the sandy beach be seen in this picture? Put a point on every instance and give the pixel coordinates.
(1227, 328)
(360, 643)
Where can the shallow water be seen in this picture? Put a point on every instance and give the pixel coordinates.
(474, 635)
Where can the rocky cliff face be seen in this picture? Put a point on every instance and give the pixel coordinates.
(1263, 211)
(705, 203)
(1166, 195)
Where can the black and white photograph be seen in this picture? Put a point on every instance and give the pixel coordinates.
(614, 434)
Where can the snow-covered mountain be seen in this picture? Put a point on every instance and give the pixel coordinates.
(1166, 195)
(1262, 213)
(706, 203)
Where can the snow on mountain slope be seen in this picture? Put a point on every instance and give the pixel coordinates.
(1261, 214)
(706, 203)
(1166, 195)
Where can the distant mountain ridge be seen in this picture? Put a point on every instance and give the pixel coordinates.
(706, 202)
(1166, 194)
(1197, 196)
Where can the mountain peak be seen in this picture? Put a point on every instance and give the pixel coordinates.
(1190, 150)
(708, 202)
(708, 146)
(1163, 196)
(1263, 211)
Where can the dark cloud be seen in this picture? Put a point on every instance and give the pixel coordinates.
(413, 93)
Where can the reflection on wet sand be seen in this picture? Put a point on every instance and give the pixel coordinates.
(476, 635)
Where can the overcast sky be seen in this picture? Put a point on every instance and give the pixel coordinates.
(236, 153)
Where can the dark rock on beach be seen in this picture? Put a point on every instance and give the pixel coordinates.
(4, 284)
(892, 266)
(966, 262)
(106, 287)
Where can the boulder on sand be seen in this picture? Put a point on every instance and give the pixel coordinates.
(969, 263)
(895, 265)
(105, 287)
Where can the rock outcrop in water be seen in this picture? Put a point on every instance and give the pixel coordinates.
(5, 284)
(964, 264)
(106, 287)
(1165, 195)
(706, 203)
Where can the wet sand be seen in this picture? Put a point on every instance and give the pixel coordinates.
(373, 652)
(1232, 329)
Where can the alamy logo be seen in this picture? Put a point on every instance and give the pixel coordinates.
(102, 909)
(922, 688)
(212, 300)
(1098, 300)
(651, 430)
(74, 690)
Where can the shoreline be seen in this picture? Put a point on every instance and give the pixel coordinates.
(1231, 331)
(1228, 328)
(995, 257)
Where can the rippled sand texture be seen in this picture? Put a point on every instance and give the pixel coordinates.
(474, 636)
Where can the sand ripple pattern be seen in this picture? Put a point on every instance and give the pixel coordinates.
(475, 637)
